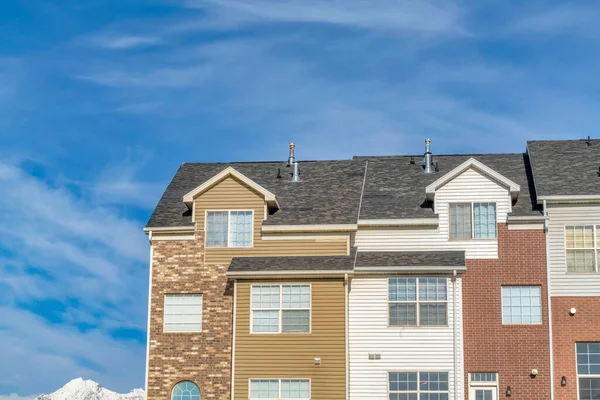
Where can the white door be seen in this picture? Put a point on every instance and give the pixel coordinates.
(483, 394)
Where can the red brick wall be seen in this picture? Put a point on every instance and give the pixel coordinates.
(205, 357)
(510, 350)
(584, 326)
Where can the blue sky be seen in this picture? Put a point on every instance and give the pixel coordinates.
(100, 101)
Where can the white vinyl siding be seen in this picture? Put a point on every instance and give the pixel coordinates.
(298, 389)
(183, 313)
(521, 305)
(229, 228)
(469, 187)
(280, 309)
(562, 281)
(402, 348)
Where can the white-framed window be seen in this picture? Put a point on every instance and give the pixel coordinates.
(183, 313)
(483, 386)
(280, 308)
(231, 228)
(298, 389)
(521, 305)
(581, 244)
(588, 370)
(472, 221)
(417, 301)
(418, 386)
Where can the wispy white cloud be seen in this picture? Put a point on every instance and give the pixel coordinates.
(432, 17)
(125, 42)
(15, 396)
(83, 252)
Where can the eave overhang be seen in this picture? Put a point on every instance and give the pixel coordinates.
(513, 187)
(270, 198)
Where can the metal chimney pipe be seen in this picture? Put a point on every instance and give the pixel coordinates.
(294, 164)
(427, 160)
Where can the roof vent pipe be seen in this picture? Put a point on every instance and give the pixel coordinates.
(427, 160)
(294, 164)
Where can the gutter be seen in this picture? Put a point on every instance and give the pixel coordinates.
(548, 283)
(569, 199)
(310, 228)
(400, 222)
(421, 269)
(169, 229)
(287, 274)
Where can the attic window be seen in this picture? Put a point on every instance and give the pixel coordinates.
(229, 228)
(472, 221)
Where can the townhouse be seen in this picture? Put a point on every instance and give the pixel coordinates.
(401, 278)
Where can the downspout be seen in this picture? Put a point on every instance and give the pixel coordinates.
(149, 310)
(346, 290)
(233, 340)
(549, 307)
(454, 334)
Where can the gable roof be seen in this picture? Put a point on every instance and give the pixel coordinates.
(329, 191)
(565, 168)
(189, 197)
(478, 166)
(395, 188)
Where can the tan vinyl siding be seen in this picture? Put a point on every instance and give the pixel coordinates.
(231, 194)
(292, 355)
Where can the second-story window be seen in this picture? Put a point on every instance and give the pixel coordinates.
(417, 301)
(280, 308)
(229, 228)
(472, 221)
(582, 248)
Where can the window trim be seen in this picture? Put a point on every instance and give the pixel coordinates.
(182, 381)
(474, 385)
(592, 376)
(418, 391)
(595, 248)
(228, 211)
(418, 308)
(522, 323)
(164, 330)
(279, 387)
(472, 204)
(281, 309)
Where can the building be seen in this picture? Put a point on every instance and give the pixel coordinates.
(402, 277)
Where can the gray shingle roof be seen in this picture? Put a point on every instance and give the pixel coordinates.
(565, 167)
(396, 189)
(301, 263)
(329, 191)
(411, 259)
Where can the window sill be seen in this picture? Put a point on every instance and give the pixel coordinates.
(280, 333)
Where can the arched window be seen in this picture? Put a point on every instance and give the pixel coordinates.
(186, 390)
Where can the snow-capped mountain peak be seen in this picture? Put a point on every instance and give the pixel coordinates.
(80, 389)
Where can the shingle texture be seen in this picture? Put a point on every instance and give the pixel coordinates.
(411, 259)
(565, 167)
(303, 263)
(329, 191)
(395, 188)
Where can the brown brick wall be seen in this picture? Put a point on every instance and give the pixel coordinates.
(204, 358)
(567, 330)
(510, 350)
